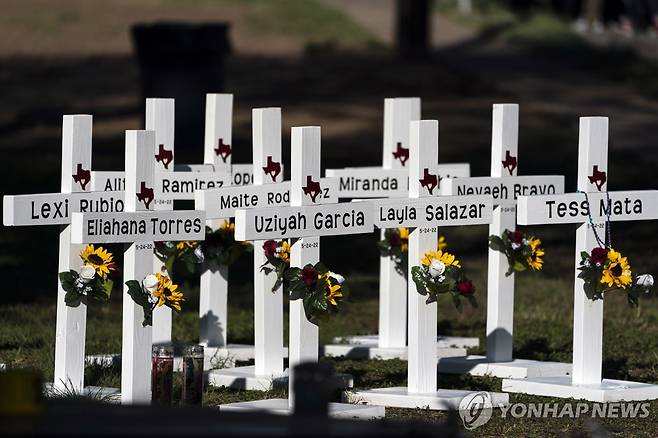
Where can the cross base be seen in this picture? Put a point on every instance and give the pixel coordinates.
(513, 369)
(246, 378)
(400, 397)
(367, 347)
(281, 407)
(608, 390)
(108, 395)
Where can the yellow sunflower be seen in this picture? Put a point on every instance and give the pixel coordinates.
(333, 293)
(228, 226)
(441, 244)
(404, 239)
(167, 293)
(617, 271)
(285, 251)
(98, 258)
(444, 257)
(535, 260)
(185, 244)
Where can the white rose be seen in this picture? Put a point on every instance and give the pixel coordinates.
(515, 246)
(437, 268)
(339, 278)
(645, 280)
(87, 273)
(150, 283)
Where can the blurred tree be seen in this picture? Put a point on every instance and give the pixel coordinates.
(412, 28)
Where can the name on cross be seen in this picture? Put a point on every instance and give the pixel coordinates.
(504, 190)
(576, 208)
(56, 208)
(432, 211)
(143, 226)
(224, 202)
(315, 220)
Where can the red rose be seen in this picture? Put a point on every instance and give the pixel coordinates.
(395, 240)
(270, 247)
(309, 276)
(516, 236)
(599, 255)
(466, 288)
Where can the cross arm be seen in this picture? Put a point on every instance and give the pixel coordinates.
(504, 190)
(572, 208)
(141, 226)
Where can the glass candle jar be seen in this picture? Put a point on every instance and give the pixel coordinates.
(192, 376)
(162, 375)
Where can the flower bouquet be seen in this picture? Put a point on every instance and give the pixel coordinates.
(606, 270)
(396, 246)
(522, 252)
(320, 290)
(92, 281)
(278, 260)
(439, 273)
(154, 291)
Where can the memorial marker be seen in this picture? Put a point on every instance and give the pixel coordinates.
(138, 226)
(56, 209)
(391, 180)
(304, 336)
(505, 187)
(586, 382)
(421, 390)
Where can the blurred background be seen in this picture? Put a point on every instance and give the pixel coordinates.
(331, 63)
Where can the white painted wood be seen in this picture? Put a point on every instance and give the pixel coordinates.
(213, 292)
(373, 351)
(143, 226)
(432, 211)
(138, 263)
(500, 287)
(398, 112)
(160, 115)
(72, 322)
(371, 183)
(304, 339)
(218, 203)
(56, 208)
(605, 391)
(588, 314)
(504, 189)
(401, 397)
(312, 220)
(182, 185)
(513, 369)
(421, 371)
(218, 132)
(268, 305)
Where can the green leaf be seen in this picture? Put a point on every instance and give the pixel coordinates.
(107, 286)
(418, 277)
(72, 298)
(67, 280)
(497, 244)
(457, 302)
(137, 293)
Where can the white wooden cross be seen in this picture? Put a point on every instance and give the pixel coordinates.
(139, 226)
(586, 382)
(267, 191)
(307, 219)
(505, 186)
(426, 213)
(56, 209)
(391, 181)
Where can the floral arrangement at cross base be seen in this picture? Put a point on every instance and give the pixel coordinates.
(92, 281)
(320, 290)
(606, 270)
(154, 291)
(441, 273)
(395, 245)
(278, 260)
(218, 249)
(522, 252)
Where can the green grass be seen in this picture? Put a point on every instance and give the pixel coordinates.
(543, 322)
